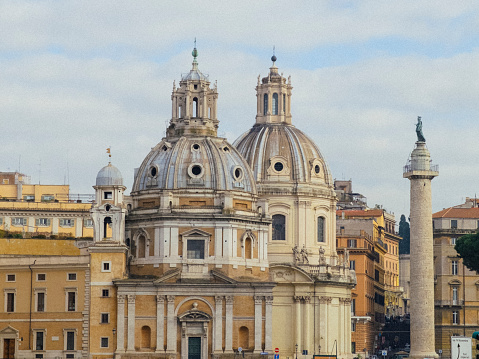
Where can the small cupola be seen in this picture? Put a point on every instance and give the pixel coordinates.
(273, 95)
(193, 105)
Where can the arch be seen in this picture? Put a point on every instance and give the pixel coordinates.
(106, 226)
(279, 227)
(275, 103)
(141, 241)
(195, 107)
(141, 246)
(265, 104)
(193, 298)
(145, 337)
(243, 337)
(321, 221)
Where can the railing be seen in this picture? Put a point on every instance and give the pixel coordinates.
(409, 168)
(449, 303)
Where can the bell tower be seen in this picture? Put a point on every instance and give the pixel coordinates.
(193, 105)
(108, 212)
(273, 95)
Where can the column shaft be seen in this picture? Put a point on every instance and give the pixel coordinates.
(258, 322)
(120, 324)
(160, 323)
(131, 323)
(171, 325)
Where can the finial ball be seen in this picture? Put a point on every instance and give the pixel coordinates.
(273, 58)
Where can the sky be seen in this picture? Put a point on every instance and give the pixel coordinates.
(77, 77)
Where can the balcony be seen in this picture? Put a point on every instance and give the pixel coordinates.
(449, 303)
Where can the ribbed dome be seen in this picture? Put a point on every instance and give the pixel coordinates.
(109, 176)
(194, 162)
(280, 152)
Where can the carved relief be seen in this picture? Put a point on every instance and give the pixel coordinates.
(160, 299)
(121, 299)
(170, 299)
(258, 299)
(325, 300)
(131, 298)
(229, 299)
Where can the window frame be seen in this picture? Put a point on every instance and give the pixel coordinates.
(107, 342)
(352, 265)
(41, 280)
(453, 223)
(68, 291)
(39, 291)
(275, 104)
(454, 267)
(35, 335)
(7, 279)
(71, 274)
(202, 246)
(65, 339)
(103, 293)
(104, 318)
(274, 237)
(14, 221)
(455, 317)
(42, 222)
(10, 293)
(67, 222)
(104, 264)
(322, 220)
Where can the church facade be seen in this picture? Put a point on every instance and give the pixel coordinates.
(219, 250)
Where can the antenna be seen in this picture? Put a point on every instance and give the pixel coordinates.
(40, 172)
(19, 162)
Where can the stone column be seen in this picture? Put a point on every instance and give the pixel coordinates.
(268, 325)
(324, 327)
(420, 174)
(229, 325)
(131, 323)
(120, 323)
(218, 333)
(160, 323)
(258, 322)
(298, 328)
(170, 325)
(307, 326)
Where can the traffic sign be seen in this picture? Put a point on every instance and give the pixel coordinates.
(276, 350)
(276, 356)
(384, 353)
(240, 349)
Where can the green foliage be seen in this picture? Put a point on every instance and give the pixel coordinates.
(468, 249)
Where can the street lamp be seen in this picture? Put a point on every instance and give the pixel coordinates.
(296, 351)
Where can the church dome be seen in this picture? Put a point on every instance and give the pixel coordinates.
(194, 163)
(281, 152)
(109, 176)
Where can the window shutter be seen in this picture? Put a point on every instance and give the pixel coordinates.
(62, 222)
(37, 222)
(48, 221)
(24, 221)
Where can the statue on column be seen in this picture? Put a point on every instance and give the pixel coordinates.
(322, 258)
(420, 136)
(296, 254)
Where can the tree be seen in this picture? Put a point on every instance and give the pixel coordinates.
(468, 249)
(404, 232)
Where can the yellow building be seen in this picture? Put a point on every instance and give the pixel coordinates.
(42, 211)
(456, 290)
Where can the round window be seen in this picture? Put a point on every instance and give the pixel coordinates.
(238, 173)
(107, 207)
(153, 171)
(317, 169)
(196, 170)
(278, 166)
(226, 149)
(196, 146)
(165, 148)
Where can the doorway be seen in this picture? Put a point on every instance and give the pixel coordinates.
(8, 348)
(194, 348)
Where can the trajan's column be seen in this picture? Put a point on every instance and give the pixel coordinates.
(420, 172)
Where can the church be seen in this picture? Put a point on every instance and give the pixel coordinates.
(219, 250)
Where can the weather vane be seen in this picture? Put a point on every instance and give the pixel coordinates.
(108, 150)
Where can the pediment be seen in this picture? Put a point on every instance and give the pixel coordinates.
(194, 315)
(168, 276)
(222, 277)
(8, 330)
(195, 232)
(454, 282)
(284, 273)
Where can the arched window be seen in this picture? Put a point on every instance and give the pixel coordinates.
(275, 104)
(107, 227)
(145, 337)
(141, 246)
(279, 232)
(247, 248)
(321, 229)
(179, 111)
(284, 103)
(195, 107)
(265, 109)
(243, 337)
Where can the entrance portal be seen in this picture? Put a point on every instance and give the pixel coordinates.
(194, 348)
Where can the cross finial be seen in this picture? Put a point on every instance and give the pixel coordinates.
(108, 150)
(273, 58)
